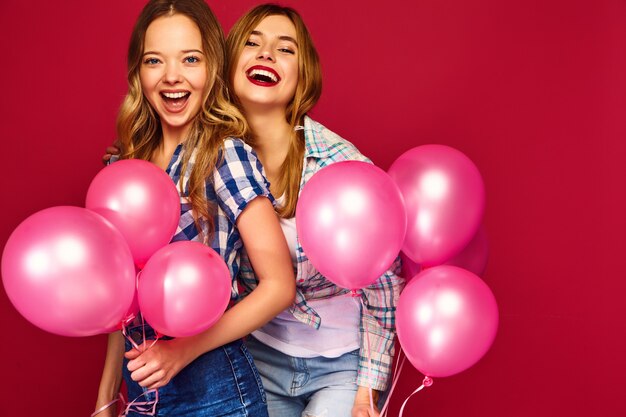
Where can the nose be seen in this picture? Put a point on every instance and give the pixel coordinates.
(266, 55)
(172, 74)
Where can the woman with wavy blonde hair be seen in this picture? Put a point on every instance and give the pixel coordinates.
(176, 115)
(314, 357)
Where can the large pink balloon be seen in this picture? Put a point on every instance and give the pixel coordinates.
(69, 271)
(447, 319)
(141, 200)
(184, 289)
(351, 222)
(474, 256)
(444, 196)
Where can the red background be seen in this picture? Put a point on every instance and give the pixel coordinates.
(534, 92)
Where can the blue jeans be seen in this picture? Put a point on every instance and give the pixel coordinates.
(222, 382)
(306, 387)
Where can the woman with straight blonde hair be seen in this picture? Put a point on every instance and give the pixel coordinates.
(176, 115)
(314, 357)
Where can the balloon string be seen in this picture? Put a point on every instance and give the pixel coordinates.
(120, 398)
(427, 382)
(147, 408)
(124, 328)
(394, 379)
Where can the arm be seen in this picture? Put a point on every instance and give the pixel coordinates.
(362, 406)
(377, 325)
(111, 375)
(269, 254)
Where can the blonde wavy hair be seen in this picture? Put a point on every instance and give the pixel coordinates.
(138, 125)
(308, 92)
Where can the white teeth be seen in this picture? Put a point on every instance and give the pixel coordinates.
(267, 74)
(180, 94)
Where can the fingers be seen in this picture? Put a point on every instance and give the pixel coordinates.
(112, 150)
(148, 375)
(133, 354)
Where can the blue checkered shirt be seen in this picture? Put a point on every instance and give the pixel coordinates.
(323, 148)
(236, 181)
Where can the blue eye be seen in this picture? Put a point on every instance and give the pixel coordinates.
(151, 61)
(287, 51)
(192, 59)
(251, 43)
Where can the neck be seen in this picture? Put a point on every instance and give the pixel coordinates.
(272, 135)
(172, 137)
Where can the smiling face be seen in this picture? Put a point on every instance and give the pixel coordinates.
(266, 73)
(173, 72)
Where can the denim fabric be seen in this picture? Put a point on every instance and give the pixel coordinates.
(306, 387)
(222, 382)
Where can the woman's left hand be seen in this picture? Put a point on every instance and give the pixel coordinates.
(156, 365)
(362, 407)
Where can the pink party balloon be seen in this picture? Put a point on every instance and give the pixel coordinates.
(68, 271)
(141, 200)
(447, 319)
(444, 197)
(131, 313)
(184, 289)
(474, 256)
(351, 222)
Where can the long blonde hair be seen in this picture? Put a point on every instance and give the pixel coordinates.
(307, 93)
(138, 125)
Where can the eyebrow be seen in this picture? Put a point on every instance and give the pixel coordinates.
(282, 37)
(186, 51)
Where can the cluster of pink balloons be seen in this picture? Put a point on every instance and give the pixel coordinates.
(447, 317)
(72, 271)
(353, 219)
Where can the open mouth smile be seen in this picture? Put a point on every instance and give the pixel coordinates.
(175, 100)
(263, 76)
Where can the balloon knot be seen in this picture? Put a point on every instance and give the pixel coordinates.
(427, 382)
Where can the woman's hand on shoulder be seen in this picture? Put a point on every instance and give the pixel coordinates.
(110, 151)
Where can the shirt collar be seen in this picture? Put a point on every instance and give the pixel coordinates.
(315, 143)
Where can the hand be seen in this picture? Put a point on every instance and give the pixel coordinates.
(361, 407)
(157, 365)
(110, 151)
(364, 410)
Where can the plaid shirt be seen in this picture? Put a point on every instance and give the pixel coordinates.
(237, 180)
(323, 148)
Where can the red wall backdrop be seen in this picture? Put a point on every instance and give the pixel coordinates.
(533, 91)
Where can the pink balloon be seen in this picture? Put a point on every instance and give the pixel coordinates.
(133, 310)
(68, 271)
(141, 200)
(444, 197)
(474, 256)
(409, 268)
(447, 319)
(351, 222)
(184, 289)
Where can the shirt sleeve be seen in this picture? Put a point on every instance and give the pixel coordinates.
(239, 178)
(378, 328)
